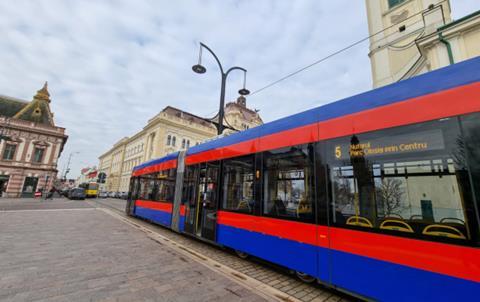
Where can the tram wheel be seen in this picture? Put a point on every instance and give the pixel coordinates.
(304, 277)
(241, 254)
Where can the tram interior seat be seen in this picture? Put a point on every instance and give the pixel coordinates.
(396, 224)
(447, 227)
(303, 208)
(279, 207)
(359, 221)
(243, 205)
(443, 230)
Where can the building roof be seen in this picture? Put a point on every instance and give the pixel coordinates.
(186, 115)
(465, 18)
(10, 106)
(38, 110)
(247, 113)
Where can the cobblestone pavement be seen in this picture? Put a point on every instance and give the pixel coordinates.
(15, 204)
(267, 273)
(83, 254)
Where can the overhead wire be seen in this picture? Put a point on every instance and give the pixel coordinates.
(342, 50)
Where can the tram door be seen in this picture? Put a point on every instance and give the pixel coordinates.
(206, 208)
(132, 193)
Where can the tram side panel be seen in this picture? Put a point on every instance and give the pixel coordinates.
(156, 191)
(403, 222)
(178, 214)
(282, 230)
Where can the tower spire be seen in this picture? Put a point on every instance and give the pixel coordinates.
(43, 94)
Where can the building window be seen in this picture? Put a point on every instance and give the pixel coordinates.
(188, 144)
(393, 3)
(38, 155)
(169, 140)
(174, 141)
(9, 151)
(183, 143)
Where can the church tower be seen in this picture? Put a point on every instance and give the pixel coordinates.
(397, 26)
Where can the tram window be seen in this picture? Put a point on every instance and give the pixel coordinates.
(288, 183)
(471, 130)
(144, 187)
(189, 184)
(166, 185)
(238, 185)
(208, 183)
(403, 180)
(135, 188)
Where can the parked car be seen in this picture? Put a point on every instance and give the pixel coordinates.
(111, 194)
(103, 194)
(123, 195)
(64, 192)
(76, 193)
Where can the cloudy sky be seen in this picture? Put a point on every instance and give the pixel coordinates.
(112, 65)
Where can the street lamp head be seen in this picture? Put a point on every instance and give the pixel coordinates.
(244, 91)
(199, 69)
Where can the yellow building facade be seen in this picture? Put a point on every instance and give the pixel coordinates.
(411, 37)
(170, 130)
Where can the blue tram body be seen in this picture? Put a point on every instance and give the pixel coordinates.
(377, 195)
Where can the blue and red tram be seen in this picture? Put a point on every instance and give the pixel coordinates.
(377, 195)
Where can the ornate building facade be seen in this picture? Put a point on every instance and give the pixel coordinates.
(410, 37)
(30, 146)
(170, 130)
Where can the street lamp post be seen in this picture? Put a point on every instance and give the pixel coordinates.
(199, 68)
(67, 169)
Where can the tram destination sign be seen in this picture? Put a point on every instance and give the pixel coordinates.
(389, 145)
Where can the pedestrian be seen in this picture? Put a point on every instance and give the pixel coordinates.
(50, 193)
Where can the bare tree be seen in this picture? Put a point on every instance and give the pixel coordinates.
(390, 196)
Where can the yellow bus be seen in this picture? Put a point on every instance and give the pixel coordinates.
(91, 189)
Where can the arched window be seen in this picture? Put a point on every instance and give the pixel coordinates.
(169, 140)
(174, 141)
(188, 144)
(183, 143)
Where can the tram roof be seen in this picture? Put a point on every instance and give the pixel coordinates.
(449, 77)
(157, 161)
(452, 76)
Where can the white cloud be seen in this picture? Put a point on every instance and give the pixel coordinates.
(112, 65)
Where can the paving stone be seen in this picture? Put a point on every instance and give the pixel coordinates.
(83, 254)
(261, 270)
